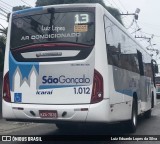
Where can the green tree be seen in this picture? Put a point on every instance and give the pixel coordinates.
(54, 2)
(2, 42)
(3, 30)
(16, 8)
(113, 11)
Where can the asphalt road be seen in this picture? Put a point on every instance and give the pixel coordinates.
(145, 127)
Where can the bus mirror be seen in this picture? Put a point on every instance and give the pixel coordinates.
(156, 69)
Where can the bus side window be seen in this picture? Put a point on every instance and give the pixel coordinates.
(113, 50)
(141, 68)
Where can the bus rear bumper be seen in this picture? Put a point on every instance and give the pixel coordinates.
(98, 112)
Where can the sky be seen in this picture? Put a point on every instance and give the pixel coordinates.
(148, 20)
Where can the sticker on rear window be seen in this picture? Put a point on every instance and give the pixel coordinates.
(18, 97)
(80, 28)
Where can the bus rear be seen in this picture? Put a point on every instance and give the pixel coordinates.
(50, 65)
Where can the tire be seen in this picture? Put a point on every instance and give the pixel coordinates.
(62, 126)
(152, 101)
(147, 114)
(66, 126)
(132, 123)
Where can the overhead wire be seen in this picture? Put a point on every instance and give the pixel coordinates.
(3, 19)
(110, 3)
(151, 34)
(125, 10)
(149, 24)
(6, 3)
(2, 26)
(122, 5)
(116, 6)
(143, 41)
(3, 14)
(136, 26)
(130, 27)
(5, 9)
(26, 3)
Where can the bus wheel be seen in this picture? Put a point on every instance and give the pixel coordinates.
(147, 114)
(62, 126)
(66, 126)
(132, 123)
(152, 101)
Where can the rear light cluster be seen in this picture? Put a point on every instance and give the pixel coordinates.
(97, 90)
(6, 88)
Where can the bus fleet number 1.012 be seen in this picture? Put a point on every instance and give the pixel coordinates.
(82, 90)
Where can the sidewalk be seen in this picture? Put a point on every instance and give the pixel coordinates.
(9, 127)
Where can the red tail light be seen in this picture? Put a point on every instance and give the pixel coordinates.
(97, 90)
(6, 88)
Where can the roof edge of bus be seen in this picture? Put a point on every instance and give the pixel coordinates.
(28, 10)
(73, 5)
(58, 6)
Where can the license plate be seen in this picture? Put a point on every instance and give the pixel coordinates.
(48, 114)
